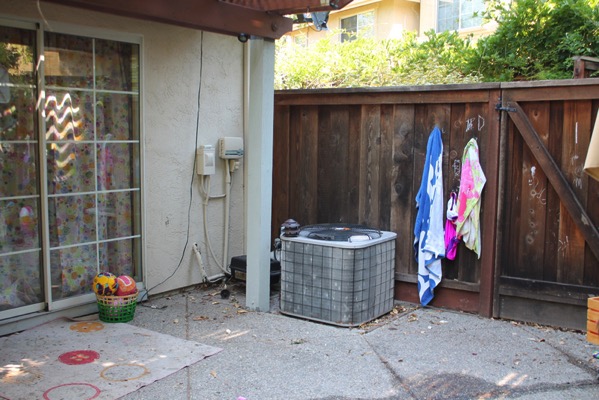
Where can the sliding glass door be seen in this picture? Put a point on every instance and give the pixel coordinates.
(70, 196)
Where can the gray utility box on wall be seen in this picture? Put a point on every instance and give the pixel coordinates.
(343, 280)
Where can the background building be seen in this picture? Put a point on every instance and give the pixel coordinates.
(389, 19)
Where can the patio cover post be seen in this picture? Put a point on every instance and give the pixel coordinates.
(258, 154)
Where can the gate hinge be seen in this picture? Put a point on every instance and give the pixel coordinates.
(499, 107)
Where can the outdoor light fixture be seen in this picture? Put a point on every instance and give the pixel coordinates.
(243, 37)
(334, 4)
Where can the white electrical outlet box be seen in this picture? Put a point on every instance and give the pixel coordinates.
(230, 148)
(206, 160)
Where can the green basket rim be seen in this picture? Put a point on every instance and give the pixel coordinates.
(117, 312)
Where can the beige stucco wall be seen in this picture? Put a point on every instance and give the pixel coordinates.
(392, 18)
(171, 65)
(428, 16)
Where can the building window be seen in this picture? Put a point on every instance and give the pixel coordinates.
(359, 25)
(459, 14)
(70, 194)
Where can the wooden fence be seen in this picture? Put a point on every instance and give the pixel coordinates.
(357, 155)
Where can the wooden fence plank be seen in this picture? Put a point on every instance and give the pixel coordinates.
(573, 89)
(454, 148)
(295, 158)
(475, 121)
(534, 196)
(355, 125)
(330, 158)
(421, 134)
(490, 140)
(369, 156)
(402, 196)
(361, 97)
(335, 167)
(280, 184)
(303, 173)
(512, 264)
(591, 263)
(552, 211)
(571, 240)
(385, 163)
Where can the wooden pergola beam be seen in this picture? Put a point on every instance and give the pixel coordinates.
(209, 15)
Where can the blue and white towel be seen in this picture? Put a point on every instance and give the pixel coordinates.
(429, 233)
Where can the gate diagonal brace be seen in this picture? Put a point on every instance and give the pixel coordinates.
(555, 176)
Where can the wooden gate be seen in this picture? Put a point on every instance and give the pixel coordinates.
(548, 247)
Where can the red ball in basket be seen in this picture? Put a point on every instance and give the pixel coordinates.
(126, 286)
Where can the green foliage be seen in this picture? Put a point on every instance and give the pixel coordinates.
(535, 39)
(371, 62)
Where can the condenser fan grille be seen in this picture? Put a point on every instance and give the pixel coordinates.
(340, 232)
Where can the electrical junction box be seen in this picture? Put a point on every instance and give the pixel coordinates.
(230, 148)
(206, 160)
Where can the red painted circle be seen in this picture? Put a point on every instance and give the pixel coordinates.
(78, 357)
(96, 394)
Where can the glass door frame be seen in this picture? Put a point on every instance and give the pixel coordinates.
(49, 304)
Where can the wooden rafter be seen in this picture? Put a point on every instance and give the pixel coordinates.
(209, 15)
(283, 7)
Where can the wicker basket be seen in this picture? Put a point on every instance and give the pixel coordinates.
(117, 308)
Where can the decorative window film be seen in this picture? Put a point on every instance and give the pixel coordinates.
(20, 242)
(89, 171)
(459, 14)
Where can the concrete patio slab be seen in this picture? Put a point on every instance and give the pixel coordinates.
(413, 353)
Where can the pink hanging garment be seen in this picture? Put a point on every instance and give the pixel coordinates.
(451, 237)
(472, 182)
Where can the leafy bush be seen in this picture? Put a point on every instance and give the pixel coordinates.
(535, 39)
(371, 62)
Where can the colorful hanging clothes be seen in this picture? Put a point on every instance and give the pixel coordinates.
(472, 182)
(451, 236)
(429, 242)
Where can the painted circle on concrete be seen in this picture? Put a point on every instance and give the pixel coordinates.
(79, 357)
(84, 327)
(83, 391)
(124, 372)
